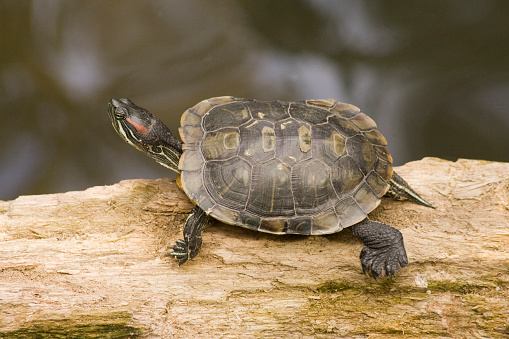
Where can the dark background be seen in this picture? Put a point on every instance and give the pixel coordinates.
(433, 74)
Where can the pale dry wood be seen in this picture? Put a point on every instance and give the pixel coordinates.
(101, 250)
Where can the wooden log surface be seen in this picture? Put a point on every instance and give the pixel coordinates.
(95, 258)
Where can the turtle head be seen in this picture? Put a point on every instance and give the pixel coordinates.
(142, 130)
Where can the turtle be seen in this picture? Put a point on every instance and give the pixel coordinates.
(309, 167)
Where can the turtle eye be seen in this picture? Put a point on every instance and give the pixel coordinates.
(120, 113)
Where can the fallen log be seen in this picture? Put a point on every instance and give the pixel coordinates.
(82, 263)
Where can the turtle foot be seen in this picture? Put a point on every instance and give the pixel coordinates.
(183, 250)
(384, 253)
(188, 248)
(385, 261)
(180, 251)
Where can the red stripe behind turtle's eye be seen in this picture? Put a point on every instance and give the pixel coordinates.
(140, 128)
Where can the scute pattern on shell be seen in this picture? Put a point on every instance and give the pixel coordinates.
(312, 167)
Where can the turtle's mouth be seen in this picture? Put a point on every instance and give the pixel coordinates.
(120, 125)
(115, 121)
(111, 111)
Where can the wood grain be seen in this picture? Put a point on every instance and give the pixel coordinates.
(77, 255)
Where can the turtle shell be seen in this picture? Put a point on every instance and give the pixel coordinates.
(310, 167)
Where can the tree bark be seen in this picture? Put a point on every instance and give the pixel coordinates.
(94, 261)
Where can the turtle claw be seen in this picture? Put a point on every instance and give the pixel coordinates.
(180, 244)
(180, 251)
(188, 248)
(185, 249)
(385, 261)
(384, 253)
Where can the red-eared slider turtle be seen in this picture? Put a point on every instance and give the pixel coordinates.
(309, 167)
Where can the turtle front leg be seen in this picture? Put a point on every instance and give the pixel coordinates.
(188, 248)
(384, 253)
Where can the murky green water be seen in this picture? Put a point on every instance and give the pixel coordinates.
(433, 74)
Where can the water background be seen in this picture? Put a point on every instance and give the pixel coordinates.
(433, 74)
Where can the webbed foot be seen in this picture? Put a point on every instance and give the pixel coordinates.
(188, 248)
(384, 253)
(180, 251)
(386, 261)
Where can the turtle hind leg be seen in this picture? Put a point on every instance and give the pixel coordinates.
(188, 248)
(399, 189)
(384, 253)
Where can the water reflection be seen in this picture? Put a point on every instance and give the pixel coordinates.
(434, 75)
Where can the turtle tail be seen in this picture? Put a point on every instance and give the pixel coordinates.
(400, 190)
